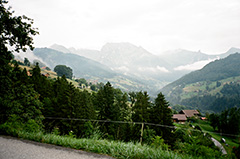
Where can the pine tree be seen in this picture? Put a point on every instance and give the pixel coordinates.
(83, 109)
(161, 114)
(105, 98)
(141, 113)
(142, 107)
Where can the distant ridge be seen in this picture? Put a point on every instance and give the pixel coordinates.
(59, 48)
(81, 66)
(210, 88)
(217, 70)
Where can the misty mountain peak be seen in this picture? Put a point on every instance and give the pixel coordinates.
(60, 48)
(233, 50)
(124, 48)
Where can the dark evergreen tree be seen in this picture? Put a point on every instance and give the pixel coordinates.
(83, 109)
(228, 121)
(214, 120)
(26, 62)
(41, 84)
(142, 107)
(132, 96)
(108, 109)
(162, 114)
(141, 113)
(62, 104)
(105, 98)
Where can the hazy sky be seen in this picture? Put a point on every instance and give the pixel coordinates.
(212, 26)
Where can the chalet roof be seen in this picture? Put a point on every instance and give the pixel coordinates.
(179, 117)
(189, 113)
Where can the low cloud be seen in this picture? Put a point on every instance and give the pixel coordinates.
(29, 55)
(162, 69)
(194, 66)
(122, 68)
(153, 69)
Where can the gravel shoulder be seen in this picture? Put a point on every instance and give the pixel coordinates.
(14, 148)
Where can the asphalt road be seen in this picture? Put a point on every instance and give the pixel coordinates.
(13, 148)
(218, 144)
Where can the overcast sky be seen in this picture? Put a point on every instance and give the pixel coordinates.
(212, 26)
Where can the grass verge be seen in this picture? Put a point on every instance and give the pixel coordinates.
(115, 149)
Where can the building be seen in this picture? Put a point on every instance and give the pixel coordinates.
(184, 115)
(189, 113)
(179, 118)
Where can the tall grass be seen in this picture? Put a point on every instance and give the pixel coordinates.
(115, 149)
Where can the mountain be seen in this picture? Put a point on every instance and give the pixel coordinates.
(138, 63)
(183, 57)
(91, 54)
(126, 66)
(89, 69)
(206, 83)
(229, 52)
(134, 61)
(82, 67)
(131, 61)
(60, 48)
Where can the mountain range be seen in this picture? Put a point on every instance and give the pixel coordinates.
(137, 62)
(134, 66)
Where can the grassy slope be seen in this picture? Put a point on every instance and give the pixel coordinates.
(205, 126)
(52, 75)
(200, 88)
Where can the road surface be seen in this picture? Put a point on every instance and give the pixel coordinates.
(13, 148)
(218, 144)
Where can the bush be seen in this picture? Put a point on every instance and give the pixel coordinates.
(158, 142)
(148, 135)
(14, 124)
(56, 131)
(32, 126)
(88, 129)
(200, 150)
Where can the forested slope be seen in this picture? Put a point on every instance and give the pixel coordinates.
(205, 88)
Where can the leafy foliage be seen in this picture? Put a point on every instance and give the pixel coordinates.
(63, 70)
(195, 143)
(31, 103)
(19, 102)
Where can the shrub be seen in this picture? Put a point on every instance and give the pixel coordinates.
(56, 131)
(148, 135)
(158, 142)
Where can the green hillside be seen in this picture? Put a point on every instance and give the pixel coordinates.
(205, 88)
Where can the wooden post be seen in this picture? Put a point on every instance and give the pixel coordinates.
(141, 133)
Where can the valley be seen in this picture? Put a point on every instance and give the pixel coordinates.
(126, 66)
(121, 100)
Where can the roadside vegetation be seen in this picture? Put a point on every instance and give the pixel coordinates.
(115, 149)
